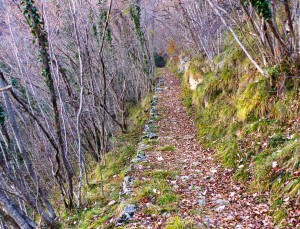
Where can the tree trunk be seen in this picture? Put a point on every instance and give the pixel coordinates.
(15, 212)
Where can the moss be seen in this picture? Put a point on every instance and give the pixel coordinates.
(254, 100)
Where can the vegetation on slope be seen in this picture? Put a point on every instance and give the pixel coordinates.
(251, 123)
(103, 192)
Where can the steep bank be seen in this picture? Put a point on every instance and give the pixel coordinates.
(251, 124)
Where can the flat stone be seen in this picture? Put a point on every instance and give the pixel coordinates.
(127, 214)
(220, 208)
(130, 209)
(221, 202)
(185, 178)
(202, 201)
(127, 183)
(189, 137)
(209, 178)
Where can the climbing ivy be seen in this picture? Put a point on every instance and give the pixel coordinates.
(103, 17)
(135, 13)
(32, 16)
(37, 29)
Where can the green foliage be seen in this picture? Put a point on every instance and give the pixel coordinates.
(177, 223)
(156, 188)
(263, 8)
(254, 100)
(32, 15)
(274, 71)
(135, 13)
(2, 115)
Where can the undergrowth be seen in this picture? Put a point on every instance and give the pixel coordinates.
(101, 195)
(252, 126)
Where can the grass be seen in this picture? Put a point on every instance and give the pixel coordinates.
(176, 222)
(154, 187)
(167, 148)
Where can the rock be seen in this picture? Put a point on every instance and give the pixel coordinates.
(221, 202)
(130, 209)
(220, 208)
(183, 64)
(143, 146)
(127, 183)
(127, 214)
(213, 171)
(202, 201)
(194, 80)
(209, 178)
(185, 178)
(112, 203)
(166, 214)
(149, 135)
(229, 217)
(140, 157)
(207, 221)
(160, 158)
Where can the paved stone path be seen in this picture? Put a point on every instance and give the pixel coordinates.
(208, 197)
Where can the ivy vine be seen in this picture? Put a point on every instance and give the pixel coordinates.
(37, 29)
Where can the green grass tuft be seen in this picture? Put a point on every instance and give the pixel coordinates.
(167, 148)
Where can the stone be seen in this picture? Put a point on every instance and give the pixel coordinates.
(127, 214)
(183, 64)
(160, 158)
(128, 170)
(143, 147)
(130, 209)
(221, 202)
(207, 221)
(202, 201)
(140, 157)
(153, 136)
(127, 183)
(209, 178)
(220, 208)
(189, 137)
(185, 178)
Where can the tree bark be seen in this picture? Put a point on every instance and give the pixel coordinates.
(15, 212)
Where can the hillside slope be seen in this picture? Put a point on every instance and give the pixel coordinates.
(251, 124)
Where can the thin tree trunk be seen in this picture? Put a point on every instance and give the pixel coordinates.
(15, 212)
(236, 38)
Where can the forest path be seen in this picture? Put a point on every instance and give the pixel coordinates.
(203, 194)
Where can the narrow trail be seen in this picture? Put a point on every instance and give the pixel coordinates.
(207, 194)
